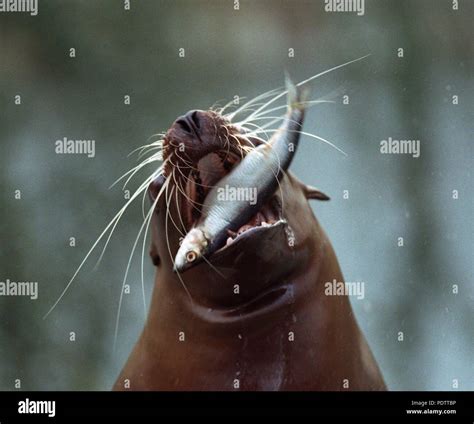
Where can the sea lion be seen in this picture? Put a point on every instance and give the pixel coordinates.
(254, 315)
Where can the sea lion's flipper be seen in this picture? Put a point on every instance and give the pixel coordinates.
(314, 193)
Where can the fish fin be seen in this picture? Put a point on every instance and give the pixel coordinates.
(314, 193)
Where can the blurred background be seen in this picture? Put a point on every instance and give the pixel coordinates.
(242, 52)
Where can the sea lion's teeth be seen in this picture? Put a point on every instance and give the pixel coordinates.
(229, 241)
(270, 215)
(256, 220)
(265, 224)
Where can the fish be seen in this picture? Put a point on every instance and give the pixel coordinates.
(258, 172)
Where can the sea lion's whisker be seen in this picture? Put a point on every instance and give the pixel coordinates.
(193, 202)
(278, 96)
(314, 136)
(143, 202)
(158, 156)
(188, 164)
(227, 142)
(184, 194)
(248, 131)
(113, 222)
(264, 118)
(166, 183)
(168, 243)
(174, 223)
(145, 222)
(221, 110)
(158, 172)
(241, 149)
(261, 127)
(276, 119)
(216, 107)
(214, 268)
(184, 176)
(142, 188)
(308, 103)
(157, 142)
(178, 209)
(151, 159)
(143, 259)
(262, 96)
(135, 169)
(253, 134)
(150, 149)
(237, 141)
(250, 109)
(242, 108)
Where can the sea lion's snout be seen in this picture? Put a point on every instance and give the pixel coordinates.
(199, 149)
(193, 136)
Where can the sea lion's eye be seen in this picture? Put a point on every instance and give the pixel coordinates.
(191, 256)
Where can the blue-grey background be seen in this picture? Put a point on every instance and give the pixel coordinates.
(245, 53)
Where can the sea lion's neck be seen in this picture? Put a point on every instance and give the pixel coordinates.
(221, 304)
(187, 345)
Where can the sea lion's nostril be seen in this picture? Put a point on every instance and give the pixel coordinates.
(195, 119)
(184, 125)
(190, 122)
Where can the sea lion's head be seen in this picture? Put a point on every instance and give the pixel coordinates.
(199, 149)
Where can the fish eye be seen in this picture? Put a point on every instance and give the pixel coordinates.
(191, 256)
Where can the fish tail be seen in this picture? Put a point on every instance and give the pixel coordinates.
(297, 96)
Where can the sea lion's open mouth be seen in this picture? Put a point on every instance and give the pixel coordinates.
(227, 183)
(206, 173)
(267, 216)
